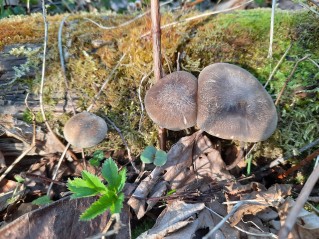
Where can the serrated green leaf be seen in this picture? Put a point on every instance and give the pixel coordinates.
(98, 207)
(122, 176)
(42, 200)
(94, 162)
(93, 181)
(148, 154)
(160, 158)
(116, 207)
(110, 173)
(99, 155)
(82, 192)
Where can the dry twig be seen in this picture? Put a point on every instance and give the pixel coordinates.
(300, 202)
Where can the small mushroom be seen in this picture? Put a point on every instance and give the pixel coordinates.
(85, 130)
(232, 104)
(171, 102)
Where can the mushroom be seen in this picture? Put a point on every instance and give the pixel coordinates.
(85, 130)
(171, 102)
(232, 104)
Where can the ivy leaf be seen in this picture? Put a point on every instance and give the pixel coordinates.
(160, 158)
(148, 154)
(99, 206)
(110, 173)
(42, 200)
(116, 207)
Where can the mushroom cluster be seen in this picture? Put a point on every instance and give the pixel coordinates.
(226, 101)
(85, 130)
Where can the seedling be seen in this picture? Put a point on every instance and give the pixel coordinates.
(111, 196)
(98, 156)
(152, 155)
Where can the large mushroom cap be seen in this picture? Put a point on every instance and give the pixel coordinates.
(171, 102)
(85, 130)
(232, 104)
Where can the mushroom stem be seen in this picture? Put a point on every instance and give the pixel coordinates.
(239, 157)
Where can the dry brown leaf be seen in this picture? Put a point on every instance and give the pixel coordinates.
(176, 216)
(193, 164)
(307, 224)
(57, 220)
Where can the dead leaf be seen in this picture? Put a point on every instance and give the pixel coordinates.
(176, 216)
(307, 224)
(57, 220)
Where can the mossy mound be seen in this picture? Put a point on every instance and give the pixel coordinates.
(240, 37)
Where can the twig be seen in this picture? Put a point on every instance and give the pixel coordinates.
(105, 82)
(278, 64)
(302, 163)
(125, 143)
(289, 78)
(28, 149)
(141, 101)
(282, 160)
(198, 16)
(272, 23)
(301, 200)
(106, 233)
(67, 89)
(127, 22)
(271, 235)
(308, 8)
(57, 168)
(315, 63)
(157, 58)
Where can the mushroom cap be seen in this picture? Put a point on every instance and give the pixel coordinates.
(232, 104)
(85, 130)
(171, 101)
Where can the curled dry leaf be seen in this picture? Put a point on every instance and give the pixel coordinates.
(191, 162)
(259, 200)
(307, 224)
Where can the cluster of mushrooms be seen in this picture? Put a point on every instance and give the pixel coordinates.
(226, 101)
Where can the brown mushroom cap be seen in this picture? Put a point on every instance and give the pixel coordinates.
(171, 102)
(232, 104)
(85, 130)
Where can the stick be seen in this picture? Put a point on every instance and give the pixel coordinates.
(301, 200)
(289, 78)
(272, 22)
(278, 64)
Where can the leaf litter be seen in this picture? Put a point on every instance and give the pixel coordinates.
(205, 192)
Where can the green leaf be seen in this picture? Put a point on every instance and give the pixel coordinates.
(18, 178)
(122, 176)
(100, 206)
(148, 154)
(94, 162)
(110, 173)
(117, 206)
(93, 181)
(42, 200)
(160, 158)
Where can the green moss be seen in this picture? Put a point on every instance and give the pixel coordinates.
(240, 37)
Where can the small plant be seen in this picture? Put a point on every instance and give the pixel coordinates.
(110, 196)
(42, 200)
(98, 156)
(152, 155)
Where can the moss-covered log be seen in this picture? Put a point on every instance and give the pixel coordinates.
(240, 37)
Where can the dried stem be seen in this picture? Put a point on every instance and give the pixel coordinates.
(68, 95)
(300, 202)
(272, 23)
(278, 64)
(289, 78)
